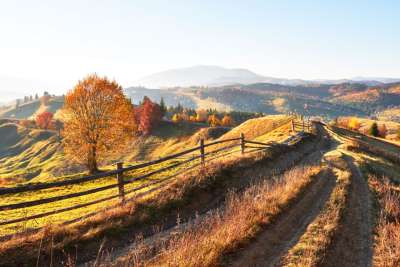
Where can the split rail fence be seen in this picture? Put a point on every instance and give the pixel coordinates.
(197, 153)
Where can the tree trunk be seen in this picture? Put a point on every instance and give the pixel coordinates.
(92, 161)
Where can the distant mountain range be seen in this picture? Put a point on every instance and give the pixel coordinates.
(203, 75)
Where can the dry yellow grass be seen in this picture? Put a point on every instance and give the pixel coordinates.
(387, 239)
(311, 247)
(242, 217)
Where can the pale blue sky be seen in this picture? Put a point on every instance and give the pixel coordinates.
(54, 43)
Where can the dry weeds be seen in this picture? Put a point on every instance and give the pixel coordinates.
(243, 217)
(312, 245)
(387, 239)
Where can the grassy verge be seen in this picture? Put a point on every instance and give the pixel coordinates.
(313, 243)
(387, 230)
(242, 218)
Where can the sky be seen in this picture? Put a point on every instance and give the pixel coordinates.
(50, 44)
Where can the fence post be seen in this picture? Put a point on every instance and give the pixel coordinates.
(120, 179)
(202, 153)
(303, 125)
(293, 129)
(242, 143)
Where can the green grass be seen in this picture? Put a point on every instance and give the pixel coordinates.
(71, 215)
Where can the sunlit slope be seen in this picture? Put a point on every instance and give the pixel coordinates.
(28, 154)
(391, 126)
(254, 128)
(31, 109)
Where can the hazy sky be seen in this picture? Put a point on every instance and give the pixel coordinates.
(51, 44)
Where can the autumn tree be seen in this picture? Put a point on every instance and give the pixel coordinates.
(214, 121)
(227, 121)
(98, 121)
(150, 115)
(201, 115)
(373, 130)
(382, 130)
(44, 120)
(192, 118)
(354, 124)
(176, 118)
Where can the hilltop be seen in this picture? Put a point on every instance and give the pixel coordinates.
(31, 108)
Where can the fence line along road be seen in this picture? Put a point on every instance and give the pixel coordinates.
(240, 142)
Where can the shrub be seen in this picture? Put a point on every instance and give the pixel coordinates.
(354, 124)
(44, 120)
(382, 131)
(374, 131)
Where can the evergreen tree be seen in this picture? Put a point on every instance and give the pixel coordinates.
(179, 108)
(163, 107)
(374, 131)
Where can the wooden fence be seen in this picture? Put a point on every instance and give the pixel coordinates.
(303, 125)
(203, 156)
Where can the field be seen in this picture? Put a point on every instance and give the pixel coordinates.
(270, 123)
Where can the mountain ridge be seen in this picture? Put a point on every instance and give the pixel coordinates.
(211, 75)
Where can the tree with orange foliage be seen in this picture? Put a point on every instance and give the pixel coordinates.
(382, 130)
(44, 120)
(176, 118)
(201, 115)
(150, 115)
(227, 121)
(354, 124)
(214, 121)
(98, 121)
(192, 118)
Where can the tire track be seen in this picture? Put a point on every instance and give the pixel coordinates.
(280, 236)
(352, 246)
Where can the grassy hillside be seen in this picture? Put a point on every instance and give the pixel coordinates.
(30, 109)
(392, 127)
(31, 155)
(28, 154)
(37, 156)
(173, 139)
(390, 114)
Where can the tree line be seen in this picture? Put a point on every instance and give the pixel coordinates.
(374, 129)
